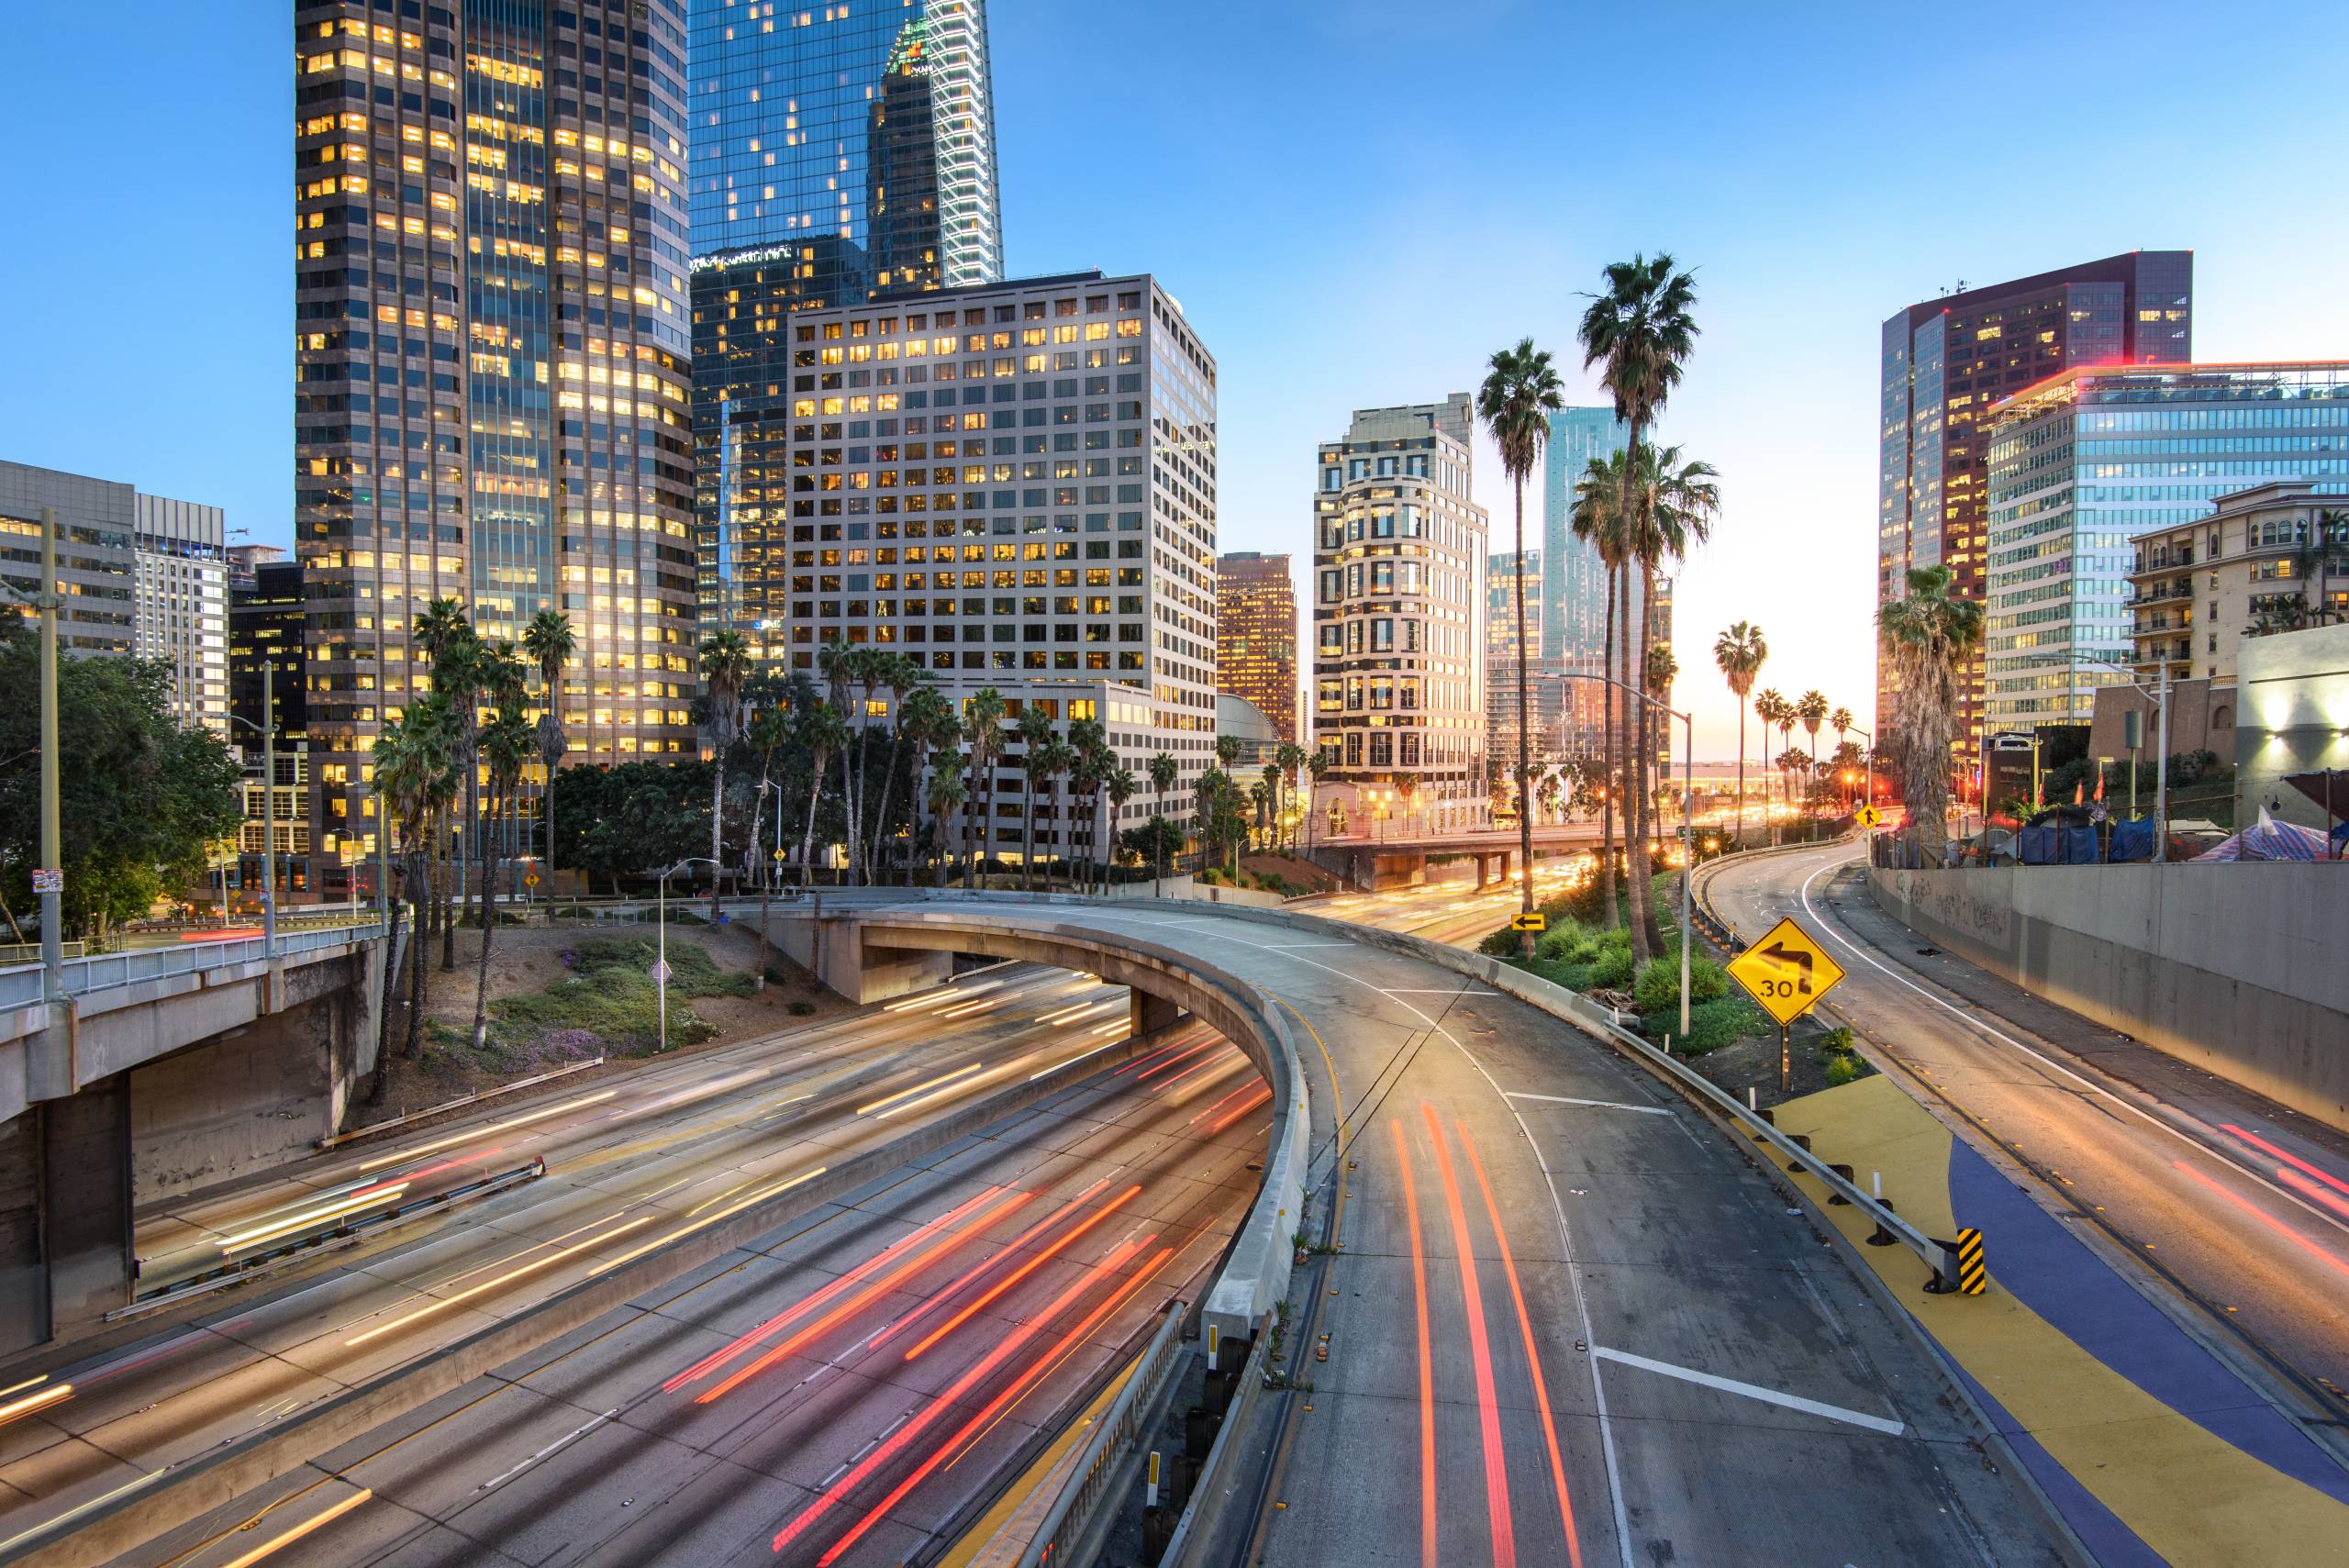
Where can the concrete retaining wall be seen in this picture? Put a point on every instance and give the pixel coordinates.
(2241, 970)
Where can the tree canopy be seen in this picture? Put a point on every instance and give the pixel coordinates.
(141, 800)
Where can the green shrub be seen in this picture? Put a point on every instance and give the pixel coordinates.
(1722, 1021)
(1847, 1067)
(800, 1009)
(1558, 947)
(1610, 967)
(1501, 943)
(1659, 982)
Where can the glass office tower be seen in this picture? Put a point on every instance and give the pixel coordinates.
(1573, 586)
(2083, 463)
(491, 383)
(1945, 361)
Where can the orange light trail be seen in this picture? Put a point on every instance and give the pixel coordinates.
(1223, 1058)
(1480, 1351)
(1030, 1267)
(2300, 1184)
(983, 1264)
(2263, 1217)
(729, 1212)
(1223, 1102)
(962, 1071)
(1263, 1093)
(888, 1450)
(1145, 1060)
(897, 1248)
(288, 1537)
(15, 1410)
(2257, 1143)
(975, 1427)
(1532, 1356)
(1427, 1362)
(438, 1143)
(1011, 1202)
(1203, 1045)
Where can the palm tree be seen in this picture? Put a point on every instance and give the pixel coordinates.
(946, 797)
(1839, 721)
(1291, 757)
(1929, 636)
(550, 641)
(1520, 393)
(1794, 764)
(1035, 730)
(1597, 520)
(983, 727)
(1317, 766)
(902, 676)
(1740, 652)
(869, 667)
(1227, 749)
(1120, 787)
(1769, 707)
(768, 732)
(929, 721)
(501, 682)
(506, 743)
(1051, 763)
(456, 671)
(725, 665)
(837, 661)
(1273, 789)
(1812, 710)
(414, 774)
(819, 732)
(1089, 767)
(1640, 328)
(1165, 771)
(1674, 500)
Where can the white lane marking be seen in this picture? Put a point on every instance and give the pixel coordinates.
(2090, 1084)
(1565, 1237)
(554, 1448)
(1754, 1391)
(1292, 947)
(1435, 990)
(1600, 1104)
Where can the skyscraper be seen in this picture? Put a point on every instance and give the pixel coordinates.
(1573, 584)
(141, 576)
(1255, 636)
(491, 399)
(857, 142)
(838, 154)
(1945, 361)
(1398, 664)
(2084, 462)
(1502, 571)
(1013, 485)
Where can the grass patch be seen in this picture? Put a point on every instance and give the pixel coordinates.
(1722, 1021)
(608, 1005)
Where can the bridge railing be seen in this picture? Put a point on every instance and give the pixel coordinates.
(21, 987)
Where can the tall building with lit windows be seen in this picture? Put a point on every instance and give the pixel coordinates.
(1255, 636)
(1014, 485)
(1503, 573)
(1398, 600)
(838, 153)
(1947, 362)
(491, 377)
(1574, 585)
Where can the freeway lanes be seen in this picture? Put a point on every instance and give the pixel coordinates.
(2239, 1209)
(631, 1157)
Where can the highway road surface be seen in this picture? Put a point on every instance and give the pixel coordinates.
(2232, 1212)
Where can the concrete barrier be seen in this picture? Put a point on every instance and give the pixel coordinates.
(2241, 970)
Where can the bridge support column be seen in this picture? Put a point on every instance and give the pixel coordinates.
(1147, 1012)
(85, 1201)
(1480, 874)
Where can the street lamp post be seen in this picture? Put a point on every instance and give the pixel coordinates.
(1687, 810)
(660, 921)
(268, 729)
(52, 838)
(2161, 753)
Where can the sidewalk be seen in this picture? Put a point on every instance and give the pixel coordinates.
(2150, 1447)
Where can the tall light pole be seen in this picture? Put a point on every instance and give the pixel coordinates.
(661, 964)
(51, 876)
(2161, 753)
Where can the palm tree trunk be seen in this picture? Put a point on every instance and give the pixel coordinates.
(1607, 799)
(888, 787)
(1740, 773)
(848, 805)
(717, 828)
(1524, 740)
(420, 878)
(1651, 723)
(982, 779)
(1027, 850)
(807, 838)
(488, 923)
(391, 987)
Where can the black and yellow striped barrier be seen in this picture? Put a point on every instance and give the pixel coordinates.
(1972, 1274)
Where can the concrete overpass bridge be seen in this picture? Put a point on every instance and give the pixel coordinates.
(162, 1068)
(1375, 863)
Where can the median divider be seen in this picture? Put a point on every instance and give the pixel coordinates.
(129, 1517)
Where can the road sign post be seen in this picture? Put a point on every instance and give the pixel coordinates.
(1788, 972)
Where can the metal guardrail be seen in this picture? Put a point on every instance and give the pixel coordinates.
(393, 1124)
(299, 1249)
(1184, 1546)
(21, 987)
(1120, 1428)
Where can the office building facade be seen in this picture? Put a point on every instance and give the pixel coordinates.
(1502, 573)
(2265, 561)
(1014, 485)
(141, 575)
(2085, 463)
(1398, 664)
(491, 401)
(837, 154)
(1573, 584)
(1255, 637)
(1945, 363)
(267, 614)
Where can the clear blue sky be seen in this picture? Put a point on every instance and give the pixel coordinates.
(1356, 202)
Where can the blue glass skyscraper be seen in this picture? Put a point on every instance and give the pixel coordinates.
(1573, 583)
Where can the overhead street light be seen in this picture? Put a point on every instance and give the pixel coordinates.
(661, 964)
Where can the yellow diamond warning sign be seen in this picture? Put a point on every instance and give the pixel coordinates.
(1869, 817)
(1788, 971)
